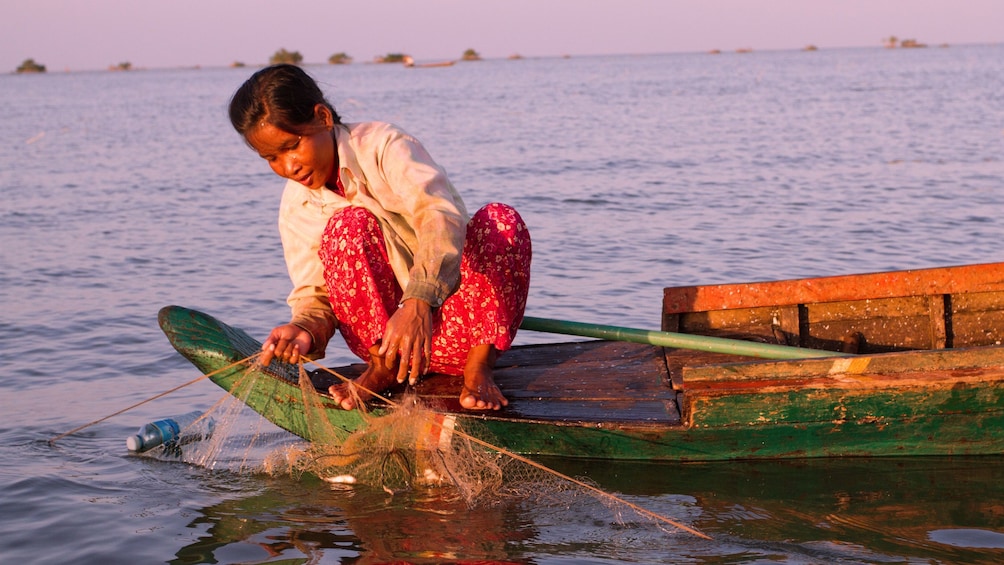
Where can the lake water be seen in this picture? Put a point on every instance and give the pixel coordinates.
(125, 192)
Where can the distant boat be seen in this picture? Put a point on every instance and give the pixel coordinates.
(410, 63)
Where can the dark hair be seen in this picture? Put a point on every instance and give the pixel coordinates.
(283, 95)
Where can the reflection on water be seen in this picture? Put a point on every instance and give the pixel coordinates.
(810, 511)
(309, 519)
(968, 537)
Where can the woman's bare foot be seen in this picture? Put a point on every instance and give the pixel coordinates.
(480, 391)
(374, 380)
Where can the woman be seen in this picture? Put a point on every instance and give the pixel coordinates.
(379, 245)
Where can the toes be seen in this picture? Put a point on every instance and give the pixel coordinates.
(342, 396)
(470, 401)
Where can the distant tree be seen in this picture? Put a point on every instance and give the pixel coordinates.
(891, 41)
(471, 55)
(30, 66)
(123, 66)
(340, 59)
(390, 58)
(237, 64)
(288, 57)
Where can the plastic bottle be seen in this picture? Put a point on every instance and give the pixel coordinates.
(171, 432)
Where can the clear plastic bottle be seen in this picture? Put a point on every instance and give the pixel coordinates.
(171, 432)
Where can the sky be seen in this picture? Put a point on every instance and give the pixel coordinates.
(80, 35)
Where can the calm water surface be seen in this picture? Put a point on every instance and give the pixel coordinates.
(124, 192)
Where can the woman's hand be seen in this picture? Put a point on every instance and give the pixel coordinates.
(409, 333)
(286, 342)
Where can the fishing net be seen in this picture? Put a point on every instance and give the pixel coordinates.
(406, 447)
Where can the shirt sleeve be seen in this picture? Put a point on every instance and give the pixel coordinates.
(435, 212)
(300, 228)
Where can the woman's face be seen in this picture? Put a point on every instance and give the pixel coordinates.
(309, 159)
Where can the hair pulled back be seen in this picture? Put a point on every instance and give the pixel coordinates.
(283, 95)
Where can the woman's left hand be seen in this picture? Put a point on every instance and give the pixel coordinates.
(409, 334)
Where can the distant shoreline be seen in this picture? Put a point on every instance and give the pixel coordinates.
(745, 51)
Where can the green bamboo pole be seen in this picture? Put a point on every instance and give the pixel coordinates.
(678, 340)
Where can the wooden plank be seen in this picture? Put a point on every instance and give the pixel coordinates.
(986, 362)
(976, 319)
(945, 280)
(881, 335)
(789, 324)
(939, 332)
(867, 309)
(942, 434)
(979, 301)
(857, 401)
(748, 319)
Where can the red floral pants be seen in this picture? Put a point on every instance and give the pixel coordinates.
(487, 307)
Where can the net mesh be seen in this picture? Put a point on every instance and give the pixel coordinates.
(408, 447)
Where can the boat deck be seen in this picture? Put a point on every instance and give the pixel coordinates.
(600, 382)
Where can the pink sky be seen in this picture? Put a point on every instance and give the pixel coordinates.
(93, 34)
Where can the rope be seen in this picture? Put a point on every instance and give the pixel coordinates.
(155, 397)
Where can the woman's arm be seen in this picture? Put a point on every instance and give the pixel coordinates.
(300, 226)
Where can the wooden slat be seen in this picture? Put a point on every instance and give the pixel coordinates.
(904, 306)
(789, 323)
(881, 335)
(939, 334)
(945, 280)
(978, 363)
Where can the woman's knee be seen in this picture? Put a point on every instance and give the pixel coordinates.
(352, 221)
(500, 218)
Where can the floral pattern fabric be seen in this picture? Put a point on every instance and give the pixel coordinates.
(487, 307)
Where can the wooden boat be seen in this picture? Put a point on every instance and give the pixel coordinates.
(897, 363)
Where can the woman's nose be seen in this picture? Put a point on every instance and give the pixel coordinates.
(292, 167)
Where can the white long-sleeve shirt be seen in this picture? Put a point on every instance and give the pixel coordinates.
(423, 218)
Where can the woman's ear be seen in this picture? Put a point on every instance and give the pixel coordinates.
(323, 116)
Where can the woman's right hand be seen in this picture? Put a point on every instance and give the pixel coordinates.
(287, 343)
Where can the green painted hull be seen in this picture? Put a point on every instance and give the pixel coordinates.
(947, 402)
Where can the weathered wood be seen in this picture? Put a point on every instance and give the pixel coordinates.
(880, 312)
(945, 280)
(939, 322)
(982, 360)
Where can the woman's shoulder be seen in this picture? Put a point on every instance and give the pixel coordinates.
(367, 131)
(383, 139)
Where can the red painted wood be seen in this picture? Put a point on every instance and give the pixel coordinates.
(942, 280)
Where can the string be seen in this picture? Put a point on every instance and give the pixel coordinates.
(155, 397)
